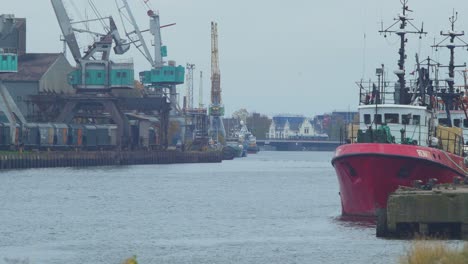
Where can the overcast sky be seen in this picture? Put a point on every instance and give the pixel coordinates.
(296, 56)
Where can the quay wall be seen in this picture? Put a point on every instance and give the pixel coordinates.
(53, 159)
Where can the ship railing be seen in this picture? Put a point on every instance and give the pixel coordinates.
(415, 134)
(380, 92)
(317, 137)
(445, 138)
(450, 140)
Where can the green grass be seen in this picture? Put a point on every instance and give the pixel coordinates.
(433, 252)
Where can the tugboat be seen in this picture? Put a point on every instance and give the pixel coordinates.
(399, 141)
(248, 140)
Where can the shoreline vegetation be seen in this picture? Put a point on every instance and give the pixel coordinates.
(437, 252)
(131, 260)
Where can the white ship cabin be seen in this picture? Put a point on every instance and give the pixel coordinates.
(415, 120)
(458, 120)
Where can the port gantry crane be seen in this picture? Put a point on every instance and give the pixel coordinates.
(96, 74)
(216, 109)
(163, 78)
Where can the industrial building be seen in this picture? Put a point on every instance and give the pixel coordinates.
(28, 74)
(37, 73)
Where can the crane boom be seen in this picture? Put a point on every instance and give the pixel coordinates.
(67, 29)
(140, 41)
(155, 29)
(215, 72)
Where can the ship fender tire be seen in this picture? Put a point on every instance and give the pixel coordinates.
(381, 228)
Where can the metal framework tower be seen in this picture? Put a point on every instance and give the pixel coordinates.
(189, 80)
(215, 72)
(200, 91)
(216, 110)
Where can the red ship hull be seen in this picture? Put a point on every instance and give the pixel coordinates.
(369, 173)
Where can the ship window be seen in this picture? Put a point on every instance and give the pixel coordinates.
(118, 74)
(378, 119)
(367, 120)
(405, 119)
(465, 122)
(416, 120)
(391, 118)
(457, 122)
(99, 75)
(4, 57)
(443, 121)
(124, 74)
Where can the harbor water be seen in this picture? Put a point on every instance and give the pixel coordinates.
(272, 207)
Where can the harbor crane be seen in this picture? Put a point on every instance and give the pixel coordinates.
(163, 78)
(96, 75)
(190, 68)
(216, 109)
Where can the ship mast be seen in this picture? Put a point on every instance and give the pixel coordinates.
(450, 96)
(403, 20)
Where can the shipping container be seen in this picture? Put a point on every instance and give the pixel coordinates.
(113, 132)
(60, 135)
(4, 135)
(31, 136)
(75, 135)
(46, 132)
(102, 134)
(90, 137)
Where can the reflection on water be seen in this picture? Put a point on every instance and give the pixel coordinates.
(356, 221)
(273, 207)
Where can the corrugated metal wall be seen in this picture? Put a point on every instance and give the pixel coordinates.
(55, 79)
(20, 92)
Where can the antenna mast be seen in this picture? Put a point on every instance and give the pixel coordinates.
(403, 20)
(452, 95)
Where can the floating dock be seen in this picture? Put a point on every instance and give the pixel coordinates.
(440, 212)
(55, 159)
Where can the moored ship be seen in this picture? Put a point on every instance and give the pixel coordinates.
(399, 141)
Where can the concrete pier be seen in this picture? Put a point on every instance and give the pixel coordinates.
(440, 212)
(10, 161)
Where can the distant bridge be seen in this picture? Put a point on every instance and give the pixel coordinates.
(299, 144)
